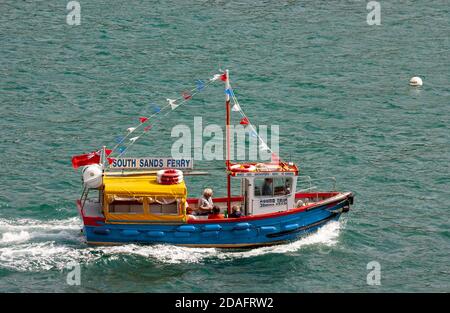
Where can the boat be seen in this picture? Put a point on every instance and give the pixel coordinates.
(144, 200)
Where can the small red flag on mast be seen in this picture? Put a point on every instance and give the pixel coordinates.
(244, 121)
(186, 95)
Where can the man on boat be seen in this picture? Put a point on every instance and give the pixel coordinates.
(236, 212)
(267, 187)
(205, 203)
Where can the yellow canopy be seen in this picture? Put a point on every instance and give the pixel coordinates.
(141, 186)
(147, 190)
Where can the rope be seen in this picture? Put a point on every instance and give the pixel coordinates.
(236, 102)
(183, 100)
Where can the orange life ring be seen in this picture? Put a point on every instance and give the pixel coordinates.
(243, 168)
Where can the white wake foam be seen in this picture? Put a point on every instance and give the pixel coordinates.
(21, 230)
(15, 237)
(24, 223)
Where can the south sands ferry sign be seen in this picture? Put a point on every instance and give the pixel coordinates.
(151, 163)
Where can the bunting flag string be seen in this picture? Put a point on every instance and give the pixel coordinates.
(245, 121)
(171, 105)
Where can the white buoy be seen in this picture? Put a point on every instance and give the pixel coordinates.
(416, 81)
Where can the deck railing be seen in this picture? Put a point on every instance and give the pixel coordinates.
(310, 181)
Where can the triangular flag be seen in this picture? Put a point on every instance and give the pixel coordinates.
(229, 92)
(110, 160)
(223, 77)
(108, 151)
(172, 103)
(143, 119)
(119, 139)
(147, 128)
(200, 85)
(186, 95)
(156, 109)
(134, 139)
(244, 121)
(131, 129)
(215, 77)
(236, 108)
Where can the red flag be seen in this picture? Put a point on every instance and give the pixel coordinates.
(244, 121)
(186, 95)
(86, 159)
(110, 160)
(147, 128)
(143, 119)
(224, 77)
(108, 151)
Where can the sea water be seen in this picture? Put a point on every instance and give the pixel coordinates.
(336, 86)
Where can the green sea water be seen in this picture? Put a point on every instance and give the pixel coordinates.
(337, 87)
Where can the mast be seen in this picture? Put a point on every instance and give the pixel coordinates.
(227, 163)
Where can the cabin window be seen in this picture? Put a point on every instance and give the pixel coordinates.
(282, 186)
(270, 187)
(164, 206)
(126, 205)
